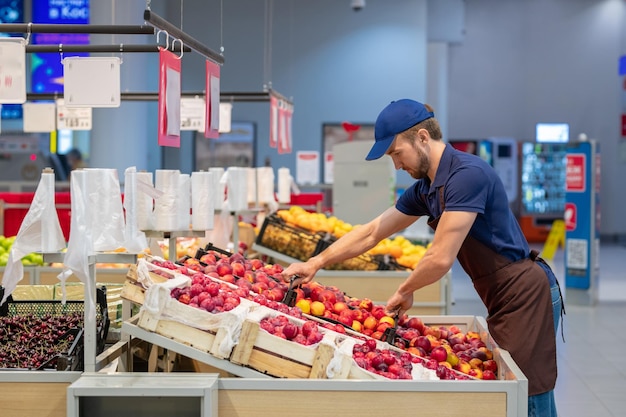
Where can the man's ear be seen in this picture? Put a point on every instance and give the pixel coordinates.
(423, 135)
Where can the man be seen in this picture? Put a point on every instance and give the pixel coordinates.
(466, 204)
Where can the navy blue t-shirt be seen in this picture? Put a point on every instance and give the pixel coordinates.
(469, 184)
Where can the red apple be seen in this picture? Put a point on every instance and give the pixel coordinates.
(340, 306)
(366, 304)
(489, 375)
(290, 331)
(256, 264)
(228, 278)
(416, 323)
(208, 258)
(424, 343)
(238, 269)
(378, 312)
(490, 365)
(259, 287)
(440, 354)
(224, 268)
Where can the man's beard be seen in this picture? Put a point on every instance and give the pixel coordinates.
(423, 164)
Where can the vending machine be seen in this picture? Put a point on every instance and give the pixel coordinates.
(582, 222)
(542, 188)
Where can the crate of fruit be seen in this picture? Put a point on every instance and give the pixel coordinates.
(285, 346)
(288, 239)
(48, 334)
(206, 317)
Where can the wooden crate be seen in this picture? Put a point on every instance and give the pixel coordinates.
(204, 340)
(133, 291)
(282, 358)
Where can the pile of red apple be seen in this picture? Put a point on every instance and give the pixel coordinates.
(262, 283)
(448, 346)
(280, 326)
(385, 362)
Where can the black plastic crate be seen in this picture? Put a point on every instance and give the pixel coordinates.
(287, 239)
(72, 357)
(363, 262)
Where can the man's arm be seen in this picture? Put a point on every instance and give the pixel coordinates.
(358, 241)
(451, 231)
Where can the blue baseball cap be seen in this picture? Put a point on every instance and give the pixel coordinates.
(397, 117)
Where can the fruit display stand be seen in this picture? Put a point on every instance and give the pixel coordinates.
(435, 299)
(35, 393)
(248, 392)
(132, 394)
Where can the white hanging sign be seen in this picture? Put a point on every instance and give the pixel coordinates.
(307, 167)
(91, 81)
(13, 70)
(73, 118)
(192, 113)
(39, 117)
(226, 110)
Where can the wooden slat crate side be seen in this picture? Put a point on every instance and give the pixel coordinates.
(190, 336)
(282, 358)
(270, 363)
(243, 349)
(133, 292)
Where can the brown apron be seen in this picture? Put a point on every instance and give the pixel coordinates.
(519, 305)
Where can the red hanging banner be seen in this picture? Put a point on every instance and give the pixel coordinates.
(273, 122)
(282, 127)
(288, 122)
(169, 99)
(212, 123)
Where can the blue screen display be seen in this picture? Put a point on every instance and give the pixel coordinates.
(47, 68)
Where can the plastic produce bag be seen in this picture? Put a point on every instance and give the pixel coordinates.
(80, 246)
(40, 231)
(134, 239)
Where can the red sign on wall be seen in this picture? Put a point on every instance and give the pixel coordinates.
(623, 125)
(575, 173)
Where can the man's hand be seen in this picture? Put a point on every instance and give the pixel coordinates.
(399, 303)
(304, 272)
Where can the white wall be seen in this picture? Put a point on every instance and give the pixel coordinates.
(524, 62)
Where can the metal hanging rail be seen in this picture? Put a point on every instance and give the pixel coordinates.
(160, 23)
(102, 48)
(74, 28)
(247, 97)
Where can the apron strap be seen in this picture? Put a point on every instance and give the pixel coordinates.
(534, 255)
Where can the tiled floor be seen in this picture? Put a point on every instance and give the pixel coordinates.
(592, 360)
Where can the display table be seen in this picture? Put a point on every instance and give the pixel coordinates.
(35, 393)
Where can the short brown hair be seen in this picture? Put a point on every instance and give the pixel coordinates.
(431, 125)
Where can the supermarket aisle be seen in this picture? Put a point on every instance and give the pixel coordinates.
(592, 369)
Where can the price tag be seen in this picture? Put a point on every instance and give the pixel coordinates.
(192, 113)
(73, 118)
(13, 70)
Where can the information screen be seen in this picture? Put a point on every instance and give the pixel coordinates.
(552, 133)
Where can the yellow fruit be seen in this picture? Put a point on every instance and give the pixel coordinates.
(304, 305)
